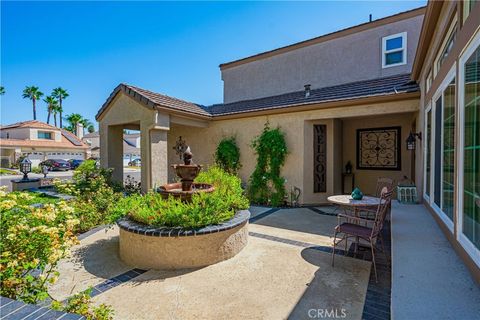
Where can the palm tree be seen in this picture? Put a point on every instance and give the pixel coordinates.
(33, 94)
(2, 90)
(51, 103)
(86, 124)
(56, 109)
(60, 94)
(73, 120)
(91, 129)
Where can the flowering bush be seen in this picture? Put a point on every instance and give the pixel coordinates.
(96, 196)
(33, 240)
(80, 303)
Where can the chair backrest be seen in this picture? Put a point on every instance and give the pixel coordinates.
(385, 199)
(382, 183)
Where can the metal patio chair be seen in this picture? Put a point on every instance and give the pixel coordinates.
(360, 228)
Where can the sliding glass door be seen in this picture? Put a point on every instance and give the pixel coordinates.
(448, 150)
(469, 175)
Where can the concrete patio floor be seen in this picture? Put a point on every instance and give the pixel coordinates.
(429, 280)
(282, 273)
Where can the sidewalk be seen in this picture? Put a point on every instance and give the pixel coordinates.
(429, 280)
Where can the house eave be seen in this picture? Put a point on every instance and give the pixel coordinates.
(319, 105)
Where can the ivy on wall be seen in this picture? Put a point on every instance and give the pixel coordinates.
(266, 186)
(227, 155)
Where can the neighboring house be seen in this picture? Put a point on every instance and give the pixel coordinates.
(131, 145)
(40, 141)
(345, 96)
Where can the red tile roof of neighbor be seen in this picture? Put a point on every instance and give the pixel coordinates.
(68, 141)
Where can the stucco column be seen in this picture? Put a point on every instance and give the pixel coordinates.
(111, 150)
(154, 150)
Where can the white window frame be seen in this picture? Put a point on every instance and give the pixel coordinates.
(472, 251)
(403, 35)
(452, 26)
(425, 196)
(439, 94)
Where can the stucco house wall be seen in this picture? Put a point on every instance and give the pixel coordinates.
(298, 129)
(349, 58)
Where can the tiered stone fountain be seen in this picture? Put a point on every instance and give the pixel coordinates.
(148, 247)
(187, 172)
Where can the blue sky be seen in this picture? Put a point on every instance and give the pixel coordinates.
(168, 47)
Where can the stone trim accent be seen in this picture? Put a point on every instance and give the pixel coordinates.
(135, 227)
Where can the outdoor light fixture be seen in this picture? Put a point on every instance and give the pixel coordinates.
(411, 140)
(25, 167)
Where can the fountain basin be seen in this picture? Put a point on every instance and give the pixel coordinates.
(165, 248)
(176, 190)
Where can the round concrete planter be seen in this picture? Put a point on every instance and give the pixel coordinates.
(147, 247)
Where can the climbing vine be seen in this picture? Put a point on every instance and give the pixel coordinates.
(227, 155)
(266, 186)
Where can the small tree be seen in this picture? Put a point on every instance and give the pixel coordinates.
(227, 155)
(266, 185)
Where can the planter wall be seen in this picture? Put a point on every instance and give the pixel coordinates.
(146, 247)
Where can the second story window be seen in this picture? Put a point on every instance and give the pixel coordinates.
(394, 50)
(446, 46)
(467, 8)
(44, 135)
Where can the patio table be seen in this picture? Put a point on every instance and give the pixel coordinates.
(346, 201)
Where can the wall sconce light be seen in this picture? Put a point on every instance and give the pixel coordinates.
(411, 140)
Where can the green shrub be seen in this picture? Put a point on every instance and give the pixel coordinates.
(81, 303)
(227, 155)
(36, 169)
(266, 185)
(96, 196)
(88, 176)
(33, 240)
(204, 209)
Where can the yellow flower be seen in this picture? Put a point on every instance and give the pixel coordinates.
(7, 204)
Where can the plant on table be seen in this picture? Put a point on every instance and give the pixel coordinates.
(227, 155)
(266, 185)
(204, 209)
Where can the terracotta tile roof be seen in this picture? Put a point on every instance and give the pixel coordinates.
(68, 141)
(30, 124)
(354, 90)
(379, 87)
(155, 100)
(92, 135)
(40, 143)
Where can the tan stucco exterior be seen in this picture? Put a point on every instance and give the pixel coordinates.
(298, 129)
(167, 253)
(154, 126)
(323, 63)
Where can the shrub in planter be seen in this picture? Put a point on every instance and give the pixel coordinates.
(204, 209)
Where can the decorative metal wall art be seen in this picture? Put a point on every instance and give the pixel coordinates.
(379, 148)
(320, 158)
(180, 147)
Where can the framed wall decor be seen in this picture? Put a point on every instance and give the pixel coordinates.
(379, 148)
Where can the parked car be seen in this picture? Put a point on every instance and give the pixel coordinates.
(55, 164)
(74, 163)
(135, 162)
